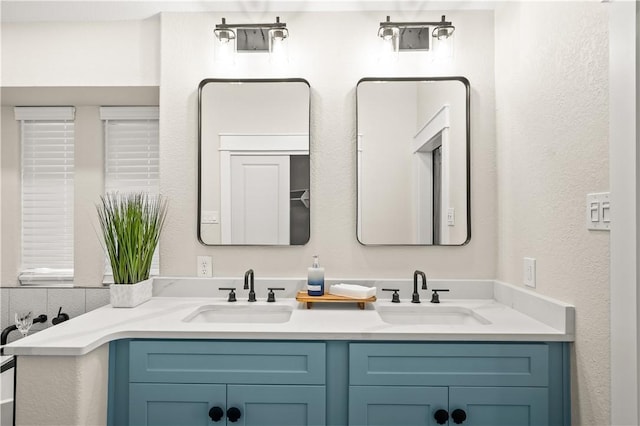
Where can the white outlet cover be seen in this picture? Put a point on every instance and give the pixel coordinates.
(529, 272)
(204, 267)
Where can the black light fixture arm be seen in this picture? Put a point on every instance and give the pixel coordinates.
(274, 25)
(389, 23)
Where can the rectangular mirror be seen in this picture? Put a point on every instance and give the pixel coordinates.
(413, 149)
(253, 154)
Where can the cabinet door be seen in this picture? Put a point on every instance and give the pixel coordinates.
(495, 406)
(163, 404)
(278, 405)
(395, 405)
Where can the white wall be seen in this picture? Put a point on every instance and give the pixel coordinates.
(624, 116)
(122, 53)
(333, 62)
(552, 142)
(333, 67)
(386, 127)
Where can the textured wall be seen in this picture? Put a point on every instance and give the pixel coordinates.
(552, 149)
(76, 388)
(333, 62)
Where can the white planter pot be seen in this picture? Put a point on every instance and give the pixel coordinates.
(130, 295)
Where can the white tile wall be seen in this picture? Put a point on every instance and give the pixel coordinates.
(4, 308)
(96, 297)
(30, 299)
(70, 299)
(74, 302)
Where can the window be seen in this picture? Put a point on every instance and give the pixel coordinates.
(132, 154)
(47, 139)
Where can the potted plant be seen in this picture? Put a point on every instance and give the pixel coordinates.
(131, 225)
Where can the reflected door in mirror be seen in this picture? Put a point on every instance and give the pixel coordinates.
(413, 161)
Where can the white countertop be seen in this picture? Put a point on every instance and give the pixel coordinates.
(514, 314)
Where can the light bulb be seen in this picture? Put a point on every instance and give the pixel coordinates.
(390, 39)
(443, 47)
(224, 47)
(278, 46)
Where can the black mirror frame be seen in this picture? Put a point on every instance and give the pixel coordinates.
(234, 80)
(467, 86)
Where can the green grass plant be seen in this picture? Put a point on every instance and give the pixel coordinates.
(131, 224)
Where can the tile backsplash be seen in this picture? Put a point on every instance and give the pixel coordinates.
(74, 301)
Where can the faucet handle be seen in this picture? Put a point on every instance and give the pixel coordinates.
(232, 293)
(395, 297)
(61, 317)
(435, 297)
(271, 296)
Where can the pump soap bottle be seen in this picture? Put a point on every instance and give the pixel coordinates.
(315, 279)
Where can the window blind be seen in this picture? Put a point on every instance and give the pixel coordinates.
(47, 139)
(132, 154)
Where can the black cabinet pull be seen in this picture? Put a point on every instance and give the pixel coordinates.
(441, 416)
(458, 416)
(216, 414)
(233, 414)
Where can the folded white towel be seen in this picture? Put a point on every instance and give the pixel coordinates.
(352, 290)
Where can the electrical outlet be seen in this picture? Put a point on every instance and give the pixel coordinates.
(530, 272)
(205, 267)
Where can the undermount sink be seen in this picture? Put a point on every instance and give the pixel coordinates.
(241, 314)
(430, 315)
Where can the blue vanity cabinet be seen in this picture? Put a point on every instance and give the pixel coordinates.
(337, 383)
(226, 383)
(395, 405)
(169, 404)
(474, 384)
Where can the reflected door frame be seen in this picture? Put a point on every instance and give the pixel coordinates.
(433, 135)
(234, 145)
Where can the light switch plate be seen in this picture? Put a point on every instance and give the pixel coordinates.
(529, 272)
(209, 217)
(599, 211)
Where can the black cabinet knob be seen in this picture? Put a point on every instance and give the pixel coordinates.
(441, 416)
(458, 416)
(233, 414)
(216, 414)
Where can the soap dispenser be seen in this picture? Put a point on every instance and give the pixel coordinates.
(315, 279)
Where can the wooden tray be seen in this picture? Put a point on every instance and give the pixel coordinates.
(303, 297)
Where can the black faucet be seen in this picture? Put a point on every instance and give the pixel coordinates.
(415, 297)
(248, 278)
(6, 331)
(62, 317)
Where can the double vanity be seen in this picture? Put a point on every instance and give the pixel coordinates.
(488, 354)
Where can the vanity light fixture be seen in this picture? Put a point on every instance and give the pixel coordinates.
(270, 37)
(399, 36)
